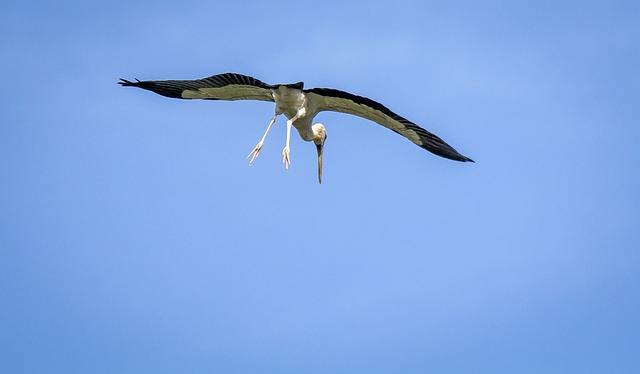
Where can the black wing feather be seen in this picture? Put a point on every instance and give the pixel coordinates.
(345, 102)
(239, 87)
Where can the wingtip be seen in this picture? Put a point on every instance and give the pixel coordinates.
(125, 82)
(457, 157)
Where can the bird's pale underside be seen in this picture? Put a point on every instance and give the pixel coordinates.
(300, 106)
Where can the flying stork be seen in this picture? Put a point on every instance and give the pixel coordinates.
(300, 106)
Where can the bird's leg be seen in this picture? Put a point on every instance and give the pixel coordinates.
(285, 152)
(256, 150)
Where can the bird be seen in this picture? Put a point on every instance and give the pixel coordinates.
(300, 106)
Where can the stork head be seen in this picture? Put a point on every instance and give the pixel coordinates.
(319, 136)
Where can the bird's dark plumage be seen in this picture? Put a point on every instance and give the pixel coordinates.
(178, 88)
(427, 140)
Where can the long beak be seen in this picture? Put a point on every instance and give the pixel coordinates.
(319, 147)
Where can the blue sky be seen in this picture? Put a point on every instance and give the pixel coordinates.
(135, 238)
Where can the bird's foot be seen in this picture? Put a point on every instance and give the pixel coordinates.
(285, 158)
(256, 151)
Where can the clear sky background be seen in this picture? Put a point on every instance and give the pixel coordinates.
(135, 238)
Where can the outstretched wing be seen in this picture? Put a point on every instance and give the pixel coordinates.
(227, 86)
(344, 102)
